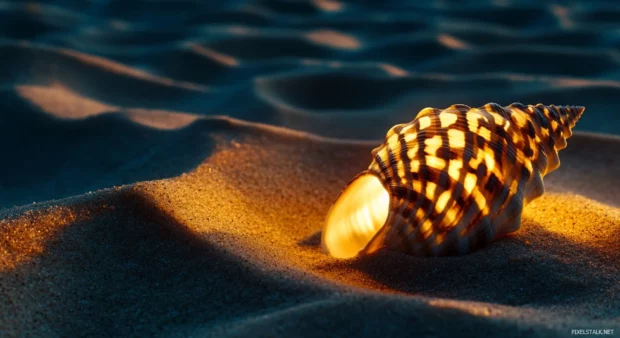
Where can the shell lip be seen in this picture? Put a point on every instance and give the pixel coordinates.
(386, 201)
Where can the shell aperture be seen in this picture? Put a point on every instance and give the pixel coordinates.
(362, 210)
(450, 181)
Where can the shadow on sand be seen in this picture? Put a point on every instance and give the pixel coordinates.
(57, 158)
(136, 271)
(509, 271)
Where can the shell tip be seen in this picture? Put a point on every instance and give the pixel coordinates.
(574, 114)
(576, 111)
(580, 110)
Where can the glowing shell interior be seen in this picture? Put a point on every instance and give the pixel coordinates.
(450, 181)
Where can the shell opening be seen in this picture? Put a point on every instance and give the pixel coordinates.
(354, 219)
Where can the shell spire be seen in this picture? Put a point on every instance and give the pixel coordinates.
(547, 126)
(451, 180)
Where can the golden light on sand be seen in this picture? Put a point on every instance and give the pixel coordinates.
(393, 70)
(562, 14)
(63, 102)
(333, 39)
(358, 214)
(161, 119)
(452, 42)
(328, 5)
(223, 59)
(22, 239)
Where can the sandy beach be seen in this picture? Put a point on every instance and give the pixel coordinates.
(167, 167)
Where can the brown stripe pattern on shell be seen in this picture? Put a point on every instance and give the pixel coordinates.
(459, 177)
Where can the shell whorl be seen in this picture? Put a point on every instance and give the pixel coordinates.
(459, 177)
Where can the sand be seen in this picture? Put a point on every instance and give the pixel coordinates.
(172, 179)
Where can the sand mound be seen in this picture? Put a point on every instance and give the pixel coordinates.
(229, 249)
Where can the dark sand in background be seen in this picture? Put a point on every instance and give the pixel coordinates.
(269, 108)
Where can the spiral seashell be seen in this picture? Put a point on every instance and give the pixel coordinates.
(450, 181)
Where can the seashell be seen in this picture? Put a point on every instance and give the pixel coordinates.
(450, 181)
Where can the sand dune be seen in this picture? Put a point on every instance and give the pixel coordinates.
(231, 249)
(167, 166)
